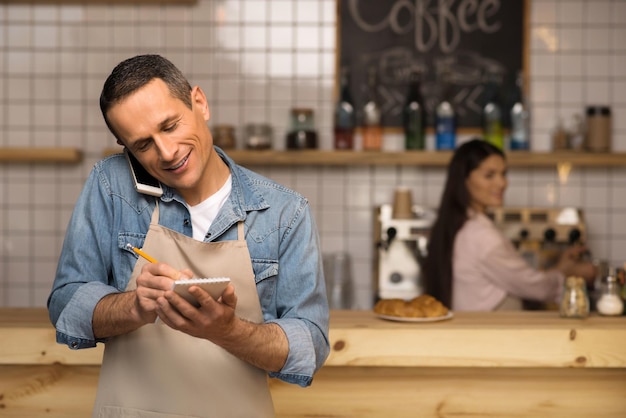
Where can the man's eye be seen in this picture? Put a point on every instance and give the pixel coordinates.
(143, 146)
(170, 128)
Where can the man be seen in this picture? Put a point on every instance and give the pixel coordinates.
(163, 355)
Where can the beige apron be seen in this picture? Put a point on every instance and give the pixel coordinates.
(156, 371)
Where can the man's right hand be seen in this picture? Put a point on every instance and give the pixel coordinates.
(120, 313)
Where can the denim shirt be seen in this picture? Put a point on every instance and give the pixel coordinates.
(280, 232)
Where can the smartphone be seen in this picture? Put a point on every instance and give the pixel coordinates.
(143, 181)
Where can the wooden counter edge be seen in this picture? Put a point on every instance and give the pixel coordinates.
(365, 341)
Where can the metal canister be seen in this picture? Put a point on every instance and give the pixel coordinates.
(598, 128)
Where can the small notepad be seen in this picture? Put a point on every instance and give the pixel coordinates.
(213, 286)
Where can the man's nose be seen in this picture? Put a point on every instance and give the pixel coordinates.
(166, 148)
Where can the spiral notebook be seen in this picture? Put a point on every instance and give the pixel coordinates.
(213, 286)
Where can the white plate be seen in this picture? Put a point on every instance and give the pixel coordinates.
(421, 319)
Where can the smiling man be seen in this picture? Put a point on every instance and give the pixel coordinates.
(163, 355)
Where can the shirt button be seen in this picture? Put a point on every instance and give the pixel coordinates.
(74, 344)
(186, 222)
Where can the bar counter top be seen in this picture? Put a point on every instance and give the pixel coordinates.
(528, 360)
(360, 338)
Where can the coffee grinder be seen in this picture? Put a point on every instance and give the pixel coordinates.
(401, 234)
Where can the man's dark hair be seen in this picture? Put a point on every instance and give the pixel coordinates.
(134, 73)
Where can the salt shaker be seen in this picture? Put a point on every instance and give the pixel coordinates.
(610, 302)
(575, 301)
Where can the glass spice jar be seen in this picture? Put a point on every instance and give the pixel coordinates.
(258, 136)
(575, 300)
(224, 136)
(610, 302)
(302, 134)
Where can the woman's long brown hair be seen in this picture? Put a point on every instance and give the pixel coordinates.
(451, 216)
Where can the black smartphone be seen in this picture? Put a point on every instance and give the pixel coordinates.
(143, 181)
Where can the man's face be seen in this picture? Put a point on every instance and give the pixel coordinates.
(170, 140)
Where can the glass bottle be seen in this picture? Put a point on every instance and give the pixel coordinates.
(345, 115)
(574, 301)
(302, 134)
(520, 118)
(414, 116)
(492, 113)
(610, 302)
(372, 128)
(445, 118)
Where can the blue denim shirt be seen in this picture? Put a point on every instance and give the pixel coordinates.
(280, 232)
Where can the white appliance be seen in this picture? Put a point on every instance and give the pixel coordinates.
(400, 247)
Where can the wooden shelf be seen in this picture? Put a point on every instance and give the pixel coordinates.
(21, 155)
(103, 2)
(410, 158)
(417, 158)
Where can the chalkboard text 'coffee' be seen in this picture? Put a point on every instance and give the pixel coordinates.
(463, 41)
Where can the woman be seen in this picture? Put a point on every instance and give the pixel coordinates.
(471, 265)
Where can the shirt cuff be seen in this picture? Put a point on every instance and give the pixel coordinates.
(300, 364)
(74, 326)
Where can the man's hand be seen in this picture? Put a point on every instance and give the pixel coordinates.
(120, 313)
(262, 345)
(211, 320)
(152, 283)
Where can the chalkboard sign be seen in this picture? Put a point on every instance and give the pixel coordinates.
(461, 41)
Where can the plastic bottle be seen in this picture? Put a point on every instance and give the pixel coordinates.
(372, 128)
(445, 120)
(414, 116)
(520, 118)
(492, 113)
(345, 115)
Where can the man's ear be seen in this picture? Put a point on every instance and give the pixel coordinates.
(199, 101)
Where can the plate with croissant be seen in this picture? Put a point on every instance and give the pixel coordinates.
(423, 308)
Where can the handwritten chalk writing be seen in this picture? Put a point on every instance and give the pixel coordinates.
(436, 22)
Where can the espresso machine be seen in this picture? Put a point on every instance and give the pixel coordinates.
(401, 233)
(541, 234)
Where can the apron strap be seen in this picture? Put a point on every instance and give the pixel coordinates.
(155, 214)
(240, 234)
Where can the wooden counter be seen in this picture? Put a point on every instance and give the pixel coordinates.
(522, 364)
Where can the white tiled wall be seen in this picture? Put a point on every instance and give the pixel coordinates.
(256, 59)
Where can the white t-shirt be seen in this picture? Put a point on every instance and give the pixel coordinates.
(487, 268)
(203, 214)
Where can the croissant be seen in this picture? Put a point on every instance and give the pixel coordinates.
(423, 306)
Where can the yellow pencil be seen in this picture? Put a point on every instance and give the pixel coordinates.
(144, 255)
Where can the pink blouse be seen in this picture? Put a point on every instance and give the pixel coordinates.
(487, 268)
